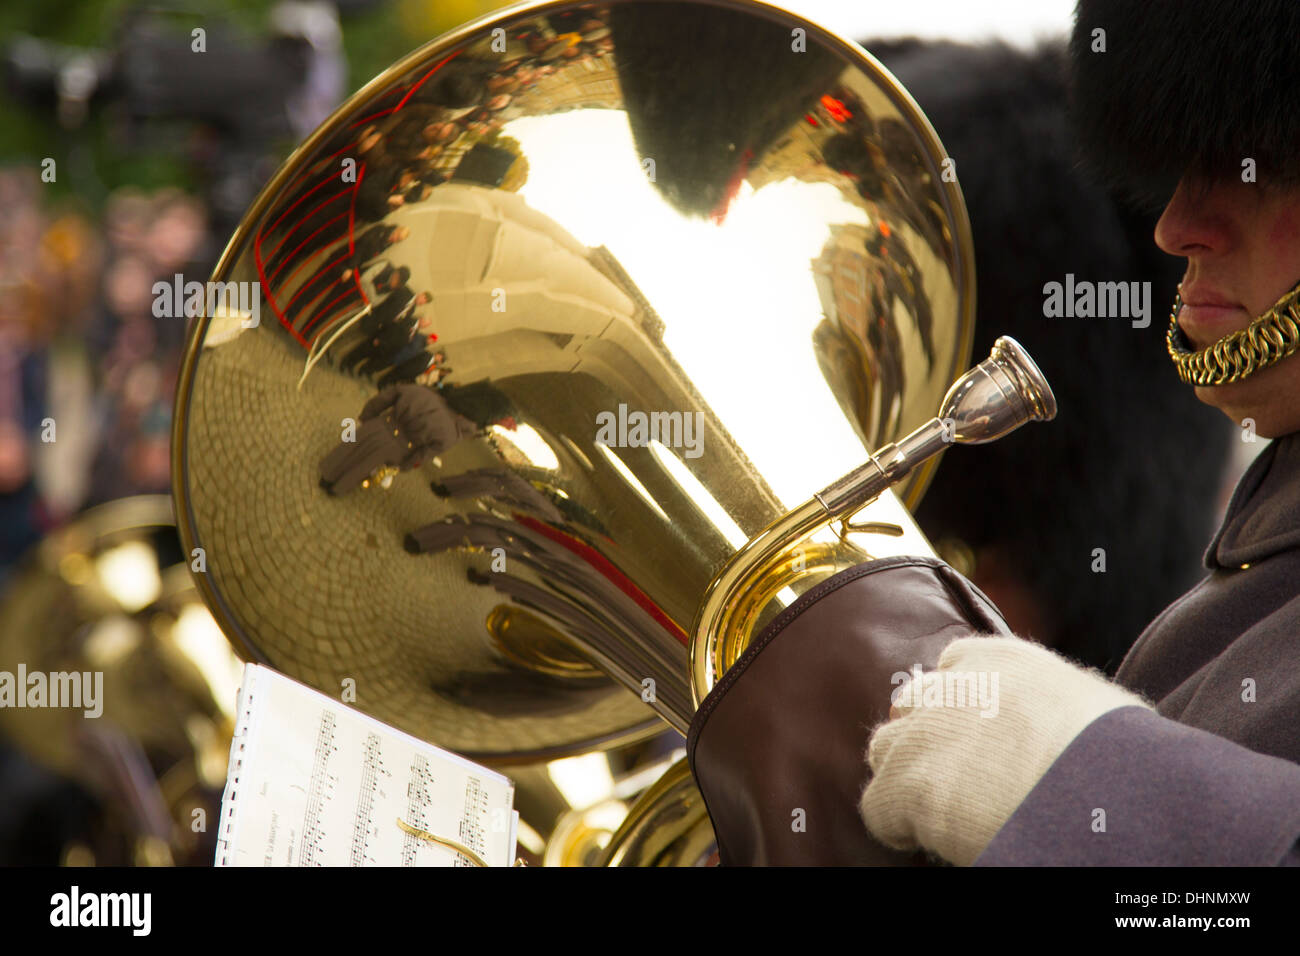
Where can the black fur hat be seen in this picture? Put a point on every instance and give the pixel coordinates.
(1187, 87)
(1127, 424)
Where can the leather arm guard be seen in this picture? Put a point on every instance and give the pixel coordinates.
(778, 747)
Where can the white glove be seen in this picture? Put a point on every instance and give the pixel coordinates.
(951, 769)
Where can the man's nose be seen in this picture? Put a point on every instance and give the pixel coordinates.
(1193, 222)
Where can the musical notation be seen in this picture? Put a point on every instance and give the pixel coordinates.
(318, 792)
(306, 757)
(419, 798)
(364, 821)
(472, 832)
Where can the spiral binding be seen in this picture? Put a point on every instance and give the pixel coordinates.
(229, 798)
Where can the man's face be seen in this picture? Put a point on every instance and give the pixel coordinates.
(1242, 245)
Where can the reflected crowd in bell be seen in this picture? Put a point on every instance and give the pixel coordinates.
(497, 243)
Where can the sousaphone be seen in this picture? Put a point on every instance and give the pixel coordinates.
(557, 322)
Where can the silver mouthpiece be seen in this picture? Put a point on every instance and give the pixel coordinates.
(996, 397)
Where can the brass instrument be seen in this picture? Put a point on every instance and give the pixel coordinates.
(109, 593)
(667, 826)
(578, 811)
(997, 396)
(606, 304)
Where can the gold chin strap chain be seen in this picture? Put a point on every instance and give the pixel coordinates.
(1266, 341)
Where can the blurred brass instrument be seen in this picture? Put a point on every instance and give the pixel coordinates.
(110, 594)
(552, 325)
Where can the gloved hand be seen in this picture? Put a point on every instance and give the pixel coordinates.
(947, 776)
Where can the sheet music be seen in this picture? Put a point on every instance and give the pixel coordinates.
(313, 782)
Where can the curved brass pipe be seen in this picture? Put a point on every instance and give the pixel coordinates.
(994, 398)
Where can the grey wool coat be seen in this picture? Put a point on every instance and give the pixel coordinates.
(1213, 776)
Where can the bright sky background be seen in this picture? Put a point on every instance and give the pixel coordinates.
(1020, 22)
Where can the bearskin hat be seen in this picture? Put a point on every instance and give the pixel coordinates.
(1167, 88)
(1126, 425)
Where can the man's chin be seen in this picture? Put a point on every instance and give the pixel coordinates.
(1267, 401)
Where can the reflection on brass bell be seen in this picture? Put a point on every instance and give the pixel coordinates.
(655, 273)
(660, 296)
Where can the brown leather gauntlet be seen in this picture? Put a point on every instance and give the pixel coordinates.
(778, 748)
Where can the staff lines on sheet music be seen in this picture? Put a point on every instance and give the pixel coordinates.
(372, 768)
(472, 833)
(318, 792)
(419, 797)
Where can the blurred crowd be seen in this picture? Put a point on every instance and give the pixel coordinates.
(88, 371)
